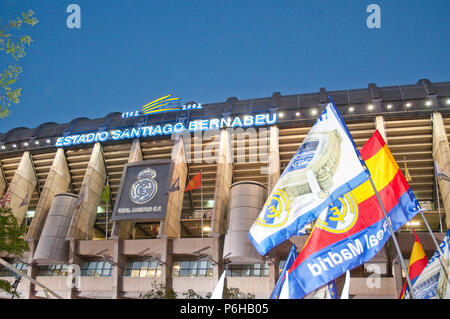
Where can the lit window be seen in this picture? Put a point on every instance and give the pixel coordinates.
(96, 269)
(192, 269)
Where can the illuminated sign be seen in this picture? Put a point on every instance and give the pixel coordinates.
(169, 128)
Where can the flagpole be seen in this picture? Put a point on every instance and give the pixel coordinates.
(201, 195)
(437, 194)
(441, 255)
(402, 261)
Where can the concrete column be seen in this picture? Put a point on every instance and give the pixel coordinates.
(93, 186)
(170, 225)
(274, 269)
(58, 180)
(119, 262)
(32, 271)
(441, 154)
(2, 181)
(217, 252)
(224, 179)
(379, 125)
(167, 260)
(123, 229)
(274, 159)
(22, 185)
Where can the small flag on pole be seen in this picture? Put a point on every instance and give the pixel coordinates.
(417, 263)
(440, 173)
(24, 201)
(5, 199)
(407, 175)
(175, 187)
(194, 183)
(106, 195)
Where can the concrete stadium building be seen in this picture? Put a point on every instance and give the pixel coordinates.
(56, 175)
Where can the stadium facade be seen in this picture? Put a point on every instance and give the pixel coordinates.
(148, 229)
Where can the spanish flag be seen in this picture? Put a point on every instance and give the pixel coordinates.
(353, 229)
(194, 183)
(417, 263)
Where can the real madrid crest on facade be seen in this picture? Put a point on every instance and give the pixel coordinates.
(145, 187)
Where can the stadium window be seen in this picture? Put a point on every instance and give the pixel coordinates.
(192, 269)
(5, 272)
(248, 270)
(53, 270)
(96, 269)
(148, 269)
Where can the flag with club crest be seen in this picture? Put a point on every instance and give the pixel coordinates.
(326, 166)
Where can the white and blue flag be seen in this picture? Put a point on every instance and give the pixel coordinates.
(326, 166)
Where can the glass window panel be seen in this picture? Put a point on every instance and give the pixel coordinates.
(137, 265)
(151, 273)
(153, 265)
(203, 264)
(184, 265)
(91, 265)
(184, 272)
(127, 272)
(209, 273)
(143, 273)
(135, 272)
(246, 271)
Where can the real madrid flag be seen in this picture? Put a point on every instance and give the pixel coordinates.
(326, 166)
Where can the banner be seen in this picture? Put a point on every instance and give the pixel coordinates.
(432, 283)
(325, 167)
(353, 229)
(143, 191)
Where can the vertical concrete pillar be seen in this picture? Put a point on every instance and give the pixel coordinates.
(217, 252)
(22, 187)
(441, 154)
(274, 269)
(170, 225)
(119, 261)
(32, 271)
(58, 180)
(167, 262)
(123, 229)
(274, 158)
(224, 179)
(379, 125)
(93, 185)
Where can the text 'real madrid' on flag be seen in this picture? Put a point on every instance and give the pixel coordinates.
(326, 166)
(353, 230)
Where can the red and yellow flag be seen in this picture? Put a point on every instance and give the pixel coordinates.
(194, 183)
(417, 263)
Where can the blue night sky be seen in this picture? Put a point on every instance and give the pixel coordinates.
(130, 52)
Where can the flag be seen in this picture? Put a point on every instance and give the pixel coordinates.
(326, 166)
(329, 291)
(407, 175)
(24, 201)
(106, 197)
(345, 294)
(218, 291)
(433, 282)
(353, 229)
(194, 183)
(5, 199)
(175, 187)
(80, 198)
(289, 261)
(417, 263)
(440, 173)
